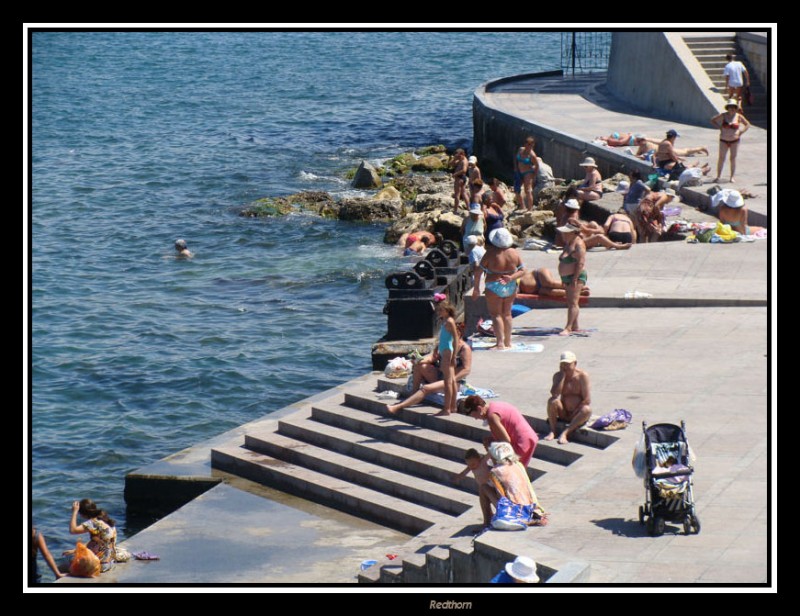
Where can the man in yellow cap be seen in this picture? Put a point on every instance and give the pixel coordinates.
(569, 398)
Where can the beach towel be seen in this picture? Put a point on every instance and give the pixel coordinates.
(464, 391)
(516, 347)
(550, 331)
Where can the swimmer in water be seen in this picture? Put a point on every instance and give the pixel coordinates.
(183, 250)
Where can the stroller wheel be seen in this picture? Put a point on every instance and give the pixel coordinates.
(696, 524)
(651, 527)
(687, 525)
(641, 515)
(658, 526)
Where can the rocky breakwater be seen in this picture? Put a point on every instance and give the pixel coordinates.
(412, 191)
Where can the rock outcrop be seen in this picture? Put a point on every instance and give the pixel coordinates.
(366, 177)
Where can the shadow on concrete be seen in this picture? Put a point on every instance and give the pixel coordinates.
(623, 528)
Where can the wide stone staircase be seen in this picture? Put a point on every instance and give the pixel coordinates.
(397, 471)
(710, 50)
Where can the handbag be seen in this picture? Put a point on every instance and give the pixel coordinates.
(510, 516)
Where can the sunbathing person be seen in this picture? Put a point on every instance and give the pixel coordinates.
(645, 144)
(428, 378)
(542, 281)
(594, 235)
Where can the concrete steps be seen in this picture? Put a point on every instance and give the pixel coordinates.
(332, 491)
(346, 452)
(710, 51)
(388, 455)
(437, 496)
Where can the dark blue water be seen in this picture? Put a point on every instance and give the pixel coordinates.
(141, 138)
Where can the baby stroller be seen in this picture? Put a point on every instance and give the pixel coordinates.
(667, 477)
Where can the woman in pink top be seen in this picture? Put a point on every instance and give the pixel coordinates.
(506, 424)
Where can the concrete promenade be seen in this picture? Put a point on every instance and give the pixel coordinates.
(705, 365)
(693, 361)
(582, 108)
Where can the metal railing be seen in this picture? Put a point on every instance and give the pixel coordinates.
(585, 52)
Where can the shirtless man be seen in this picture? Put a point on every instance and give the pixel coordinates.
(460, 179)
(569, 399)
(479, 465)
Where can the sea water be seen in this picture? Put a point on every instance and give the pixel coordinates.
(139, 138)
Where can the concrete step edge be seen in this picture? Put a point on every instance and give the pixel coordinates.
(336, 493)
(391, 455)
(382, 479)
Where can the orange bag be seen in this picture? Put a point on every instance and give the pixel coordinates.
(85, 562)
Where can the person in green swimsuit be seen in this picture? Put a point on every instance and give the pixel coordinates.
(571, 264)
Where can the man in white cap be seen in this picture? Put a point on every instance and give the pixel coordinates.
(522, 570)
(569, 398)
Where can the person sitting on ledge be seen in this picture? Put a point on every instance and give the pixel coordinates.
(569, 398)
(591, 189)
(668, 159)
(428, 378)
(593, 234)
(542, 281)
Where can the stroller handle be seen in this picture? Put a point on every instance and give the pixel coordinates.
(687, 471)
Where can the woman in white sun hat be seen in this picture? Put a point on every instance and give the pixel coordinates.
(502, 265)
(732, 125)
(591, 189)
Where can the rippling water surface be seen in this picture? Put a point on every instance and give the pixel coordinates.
(139, 138)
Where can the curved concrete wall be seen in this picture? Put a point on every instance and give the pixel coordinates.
(497, 135)
(756, 50)
(658, 73)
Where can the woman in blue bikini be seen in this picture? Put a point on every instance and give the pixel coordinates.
(449, 343)
(502, 265)
(527, 166)
(571, 264)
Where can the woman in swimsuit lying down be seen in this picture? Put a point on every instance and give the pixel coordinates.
(542, 281)
(645, 144)
(502, 265)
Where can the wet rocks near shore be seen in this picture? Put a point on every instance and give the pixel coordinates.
(416, 193)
